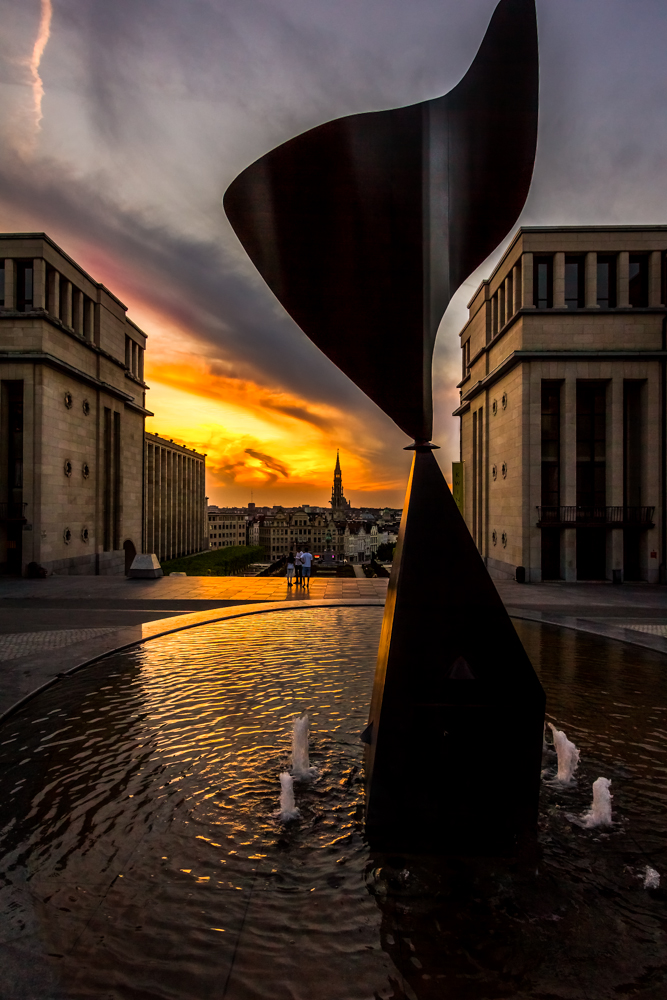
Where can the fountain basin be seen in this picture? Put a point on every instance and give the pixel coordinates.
(142, 856)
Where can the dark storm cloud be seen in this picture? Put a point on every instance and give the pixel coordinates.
(270, 463)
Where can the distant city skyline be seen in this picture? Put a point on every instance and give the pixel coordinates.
(123, 124)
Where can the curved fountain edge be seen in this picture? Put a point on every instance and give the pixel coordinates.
(91, 651)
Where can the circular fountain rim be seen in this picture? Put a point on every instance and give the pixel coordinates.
(179, 623)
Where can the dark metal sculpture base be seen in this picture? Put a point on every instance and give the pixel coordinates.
(456, 722)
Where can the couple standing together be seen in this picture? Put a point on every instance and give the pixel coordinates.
(298, 568)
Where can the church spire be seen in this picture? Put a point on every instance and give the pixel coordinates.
(338, 501)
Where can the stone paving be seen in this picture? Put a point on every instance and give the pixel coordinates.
(73, 619)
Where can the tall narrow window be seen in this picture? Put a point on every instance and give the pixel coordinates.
(494, 315)
(638, 289)
(591, 444)
(480, 477)
(23, 286)
(117, 500)
(606, 275)
(550, 444)
(501, 307)
(474, 476)
(632, 444)
(574, 282)
(543, 282)
(2, 283)
(632, 477)
(108, 495)
(550, 434)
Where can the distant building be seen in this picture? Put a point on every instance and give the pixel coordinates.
(226, 526)
(563, 409)
(174, 500)
(73, 410)
(361, 541)
(286, 531)
(339, 505)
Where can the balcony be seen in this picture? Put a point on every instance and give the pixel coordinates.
(595, 517)
(12, 511)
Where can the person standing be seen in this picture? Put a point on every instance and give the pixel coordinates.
(289, 569)
(298, 568)
(307, 562)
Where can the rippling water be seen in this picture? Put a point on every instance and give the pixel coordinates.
(143, 856)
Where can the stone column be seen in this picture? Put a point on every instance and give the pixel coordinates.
(66, 304)
(655, 279)
(614, 463)
(568, 497)
(39, 283)
(516, 286)
(53, 279)
(10, 284)
(591, 284)
(77, 311)
(527, 281)
(89, 321)
(509, 297)
(559, 280)
(623, 280)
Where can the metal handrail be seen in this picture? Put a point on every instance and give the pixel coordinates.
(639, 516)
(12, 510)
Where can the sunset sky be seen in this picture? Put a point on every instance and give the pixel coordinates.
(124, 121)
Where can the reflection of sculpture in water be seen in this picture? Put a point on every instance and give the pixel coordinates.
(364, 228)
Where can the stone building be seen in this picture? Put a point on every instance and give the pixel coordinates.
(226, 527)
(361, 541)
(563, 406)
(73, 410)
(175, 520)
(287, 531)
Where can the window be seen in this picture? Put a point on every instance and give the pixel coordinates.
(574, 282)
(606, 296)
(591, 444)
(638, 289)
(24, 286)
(550, 444)
(543, 282)
(2, 282)
(501, 307)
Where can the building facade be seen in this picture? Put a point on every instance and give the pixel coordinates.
(73, 410)
(226, 527)
(174, 499)
(288, 531)
(563, 407)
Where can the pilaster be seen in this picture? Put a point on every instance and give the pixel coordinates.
(516, 287)
(53, 279)
(559, 280)
(10, 284)
(655, 279)
(591, 281)
(527, 281)
(39, 283)
(614, 463)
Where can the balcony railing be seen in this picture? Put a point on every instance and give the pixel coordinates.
(595, 517)
(12, 510)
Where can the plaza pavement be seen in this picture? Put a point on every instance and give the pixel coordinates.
(51, 626)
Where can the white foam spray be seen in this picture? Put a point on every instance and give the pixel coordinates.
(288, 809)
(301, 768)
(599, 813)
(651, 878)
(568, 755)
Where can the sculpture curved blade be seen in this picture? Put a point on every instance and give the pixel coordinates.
(364, 227)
